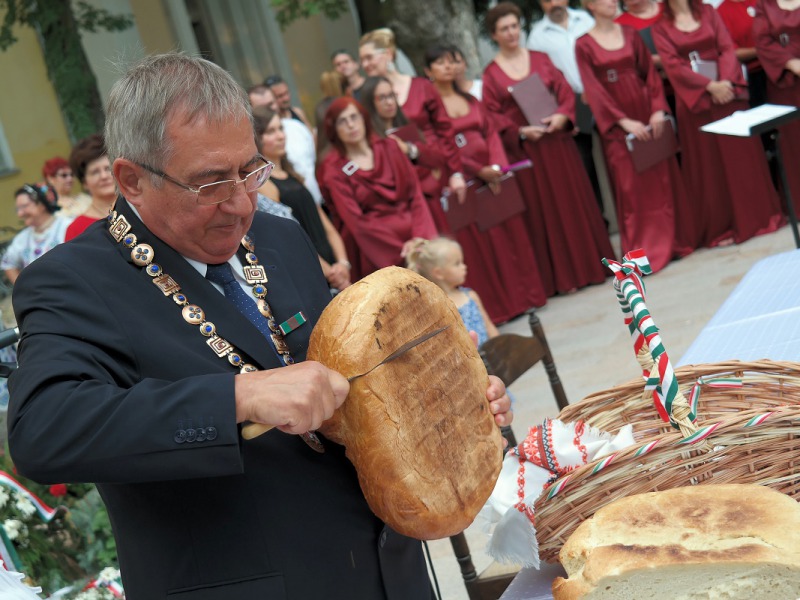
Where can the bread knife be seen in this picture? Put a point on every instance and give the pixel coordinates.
(402, 350)
(252, 430)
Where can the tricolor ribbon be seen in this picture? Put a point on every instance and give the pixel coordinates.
(659, 376)
(715, 382)
(758, 420)
(45, 512)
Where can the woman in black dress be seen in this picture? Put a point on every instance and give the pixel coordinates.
(286, 186)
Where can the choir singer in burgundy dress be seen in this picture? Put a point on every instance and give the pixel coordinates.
(421, 106)
(625, 93)
(374, 193)
(777, 34)
(502, 268)
(564, 223)
(726, 177)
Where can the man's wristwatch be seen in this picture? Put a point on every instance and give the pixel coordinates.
(522, 136)
(413, 151)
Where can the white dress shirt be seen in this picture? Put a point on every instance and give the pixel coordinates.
(559, 43)
(302, 153)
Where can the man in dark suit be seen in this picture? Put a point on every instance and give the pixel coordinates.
(138, 365)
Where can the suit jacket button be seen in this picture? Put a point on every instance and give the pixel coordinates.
(211, 433)
(201, 434)
(180, 436)
(383, 538)
(191, 435)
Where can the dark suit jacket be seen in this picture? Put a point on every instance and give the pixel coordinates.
(111, 374)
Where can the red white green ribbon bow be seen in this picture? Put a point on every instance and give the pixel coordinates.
(657, 369)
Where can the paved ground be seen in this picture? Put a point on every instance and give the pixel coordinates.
(593, 351)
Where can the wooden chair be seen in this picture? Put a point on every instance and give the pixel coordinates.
(507, 356)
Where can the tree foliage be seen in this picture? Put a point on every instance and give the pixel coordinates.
(289, 11)
(58, 26)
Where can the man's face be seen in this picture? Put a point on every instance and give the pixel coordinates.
(264, 98)
(345, 65)
(204, 153)
(555, 9)
(282, 96)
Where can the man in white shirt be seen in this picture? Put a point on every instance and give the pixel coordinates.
(555, 35)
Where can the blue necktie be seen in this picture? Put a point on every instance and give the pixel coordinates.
(223, 275)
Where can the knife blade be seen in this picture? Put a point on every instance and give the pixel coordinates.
(402, 350)
(253, 430)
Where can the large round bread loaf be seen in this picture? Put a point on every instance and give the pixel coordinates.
(417, 429)
(733, 541)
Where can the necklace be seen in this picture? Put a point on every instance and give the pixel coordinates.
(143, 256)
(41, 238)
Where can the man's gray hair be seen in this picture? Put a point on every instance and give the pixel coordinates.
(153, 90)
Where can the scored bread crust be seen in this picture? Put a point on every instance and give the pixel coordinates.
(716, 535)
(417, 429)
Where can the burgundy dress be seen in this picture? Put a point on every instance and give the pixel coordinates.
(500, 261)
(726, 177)
(624, 83)
(377, 211)
(777, 34)
(424, 108)
(564, 223)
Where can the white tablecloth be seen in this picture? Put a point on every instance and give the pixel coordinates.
(530, 584)
(760, 319)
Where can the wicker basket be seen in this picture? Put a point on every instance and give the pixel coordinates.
(765, 384)
(747, 428)
(750, 446)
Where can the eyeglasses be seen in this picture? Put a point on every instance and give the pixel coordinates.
(385, 98)
(64, 175)
(352, 118)
(220, 191)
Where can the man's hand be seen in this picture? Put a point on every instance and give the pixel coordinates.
(294, 399)
(499, 402)
(793, 65)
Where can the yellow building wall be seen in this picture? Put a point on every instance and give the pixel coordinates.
(31, 117)
(309, 43)
(152, 23)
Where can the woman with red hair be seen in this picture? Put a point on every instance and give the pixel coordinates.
(372, 190)
(59, 176)
(726, 177)
(776, 29)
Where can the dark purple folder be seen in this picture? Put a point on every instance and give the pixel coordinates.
(534, 99)
(646, 154)
(459, 214)
(407, 133)
(493, 209)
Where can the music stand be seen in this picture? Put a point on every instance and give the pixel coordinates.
(767, 118)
